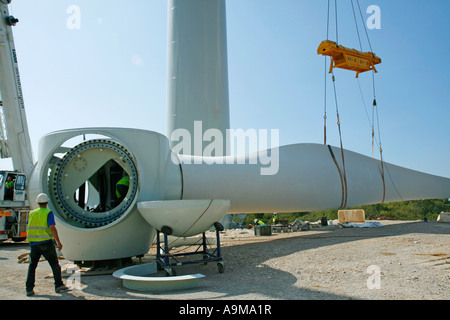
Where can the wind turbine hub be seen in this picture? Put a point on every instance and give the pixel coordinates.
(83, 183)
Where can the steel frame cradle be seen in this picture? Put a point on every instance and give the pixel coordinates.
(164, 257)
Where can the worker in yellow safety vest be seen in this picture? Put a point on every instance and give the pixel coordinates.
(122, 187)
(259, 222)
(41, 231)
(9, 189)
(275, 218)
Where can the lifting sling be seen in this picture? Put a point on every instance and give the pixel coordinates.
(349, 59)
(353, 60)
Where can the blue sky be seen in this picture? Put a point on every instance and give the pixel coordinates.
(112, 72)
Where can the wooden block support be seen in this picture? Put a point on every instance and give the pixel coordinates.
(444, 217)
(357, 215)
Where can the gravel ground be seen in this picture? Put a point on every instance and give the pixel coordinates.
(402, 260)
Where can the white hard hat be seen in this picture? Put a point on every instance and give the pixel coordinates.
(42, 198)
(256, 220)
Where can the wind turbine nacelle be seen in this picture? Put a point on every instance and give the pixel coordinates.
(93, 223)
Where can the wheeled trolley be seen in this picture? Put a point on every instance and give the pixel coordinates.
(166, 260)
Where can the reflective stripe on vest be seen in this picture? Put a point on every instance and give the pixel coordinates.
(37, 228)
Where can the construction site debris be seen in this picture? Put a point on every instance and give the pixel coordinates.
(374, 224)
(25, 258)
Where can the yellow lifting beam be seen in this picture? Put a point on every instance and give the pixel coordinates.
(349, 59)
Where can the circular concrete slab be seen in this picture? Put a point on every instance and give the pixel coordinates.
(140, 278)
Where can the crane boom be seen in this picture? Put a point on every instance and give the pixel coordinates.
(15, 139)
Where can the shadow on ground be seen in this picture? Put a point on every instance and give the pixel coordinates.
(246, 275)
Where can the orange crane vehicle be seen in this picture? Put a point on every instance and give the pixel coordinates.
(348, 59)
(14, 207)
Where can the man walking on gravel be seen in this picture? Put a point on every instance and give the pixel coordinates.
(41, 232)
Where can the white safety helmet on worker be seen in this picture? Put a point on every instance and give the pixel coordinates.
(42, 198)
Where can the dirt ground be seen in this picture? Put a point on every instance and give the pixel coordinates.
(401, 260)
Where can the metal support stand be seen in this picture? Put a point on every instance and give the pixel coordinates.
(166, 260)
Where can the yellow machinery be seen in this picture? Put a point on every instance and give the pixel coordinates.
(349, 59)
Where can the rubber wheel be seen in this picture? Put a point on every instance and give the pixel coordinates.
(220, 267)
(171, 272)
